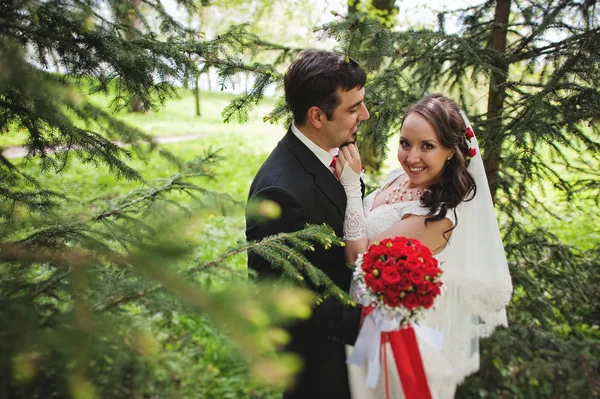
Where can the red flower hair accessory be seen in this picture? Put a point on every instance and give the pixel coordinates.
(469, 135)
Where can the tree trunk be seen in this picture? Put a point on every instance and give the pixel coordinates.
(197, 94)
(496, 95)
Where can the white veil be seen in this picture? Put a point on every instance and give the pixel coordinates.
(476, 248)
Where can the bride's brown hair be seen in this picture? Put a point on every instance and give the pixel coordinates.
(457, 184)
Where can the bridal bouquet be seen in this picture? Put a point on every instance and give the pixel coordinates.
(399, 276)
(396, 280)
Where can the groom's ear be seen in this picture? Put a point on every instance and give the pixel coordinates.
(315, 116)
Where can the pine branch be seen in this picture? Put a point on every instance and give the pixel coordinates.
(303, 240)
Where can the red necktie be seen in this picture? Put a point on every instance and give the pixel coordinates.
(332, 165)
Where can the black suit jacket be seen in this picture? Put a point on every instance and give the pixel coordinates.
(308, 192)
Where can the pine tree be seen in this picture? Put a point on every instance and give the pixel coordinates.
(87, 283)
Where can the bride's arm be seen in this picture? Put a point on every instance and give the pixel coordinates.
(355, 235)
(413, 226)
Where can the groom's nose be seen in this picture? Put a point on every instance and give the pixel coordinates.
(364, 114)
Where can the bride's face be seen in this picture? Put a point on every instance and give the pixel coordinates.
(420, 153)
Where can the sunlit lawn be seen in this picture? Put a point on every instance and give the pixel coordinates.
(178, 117)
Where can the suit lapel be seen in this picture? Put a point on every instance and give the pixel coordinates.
(324, 179)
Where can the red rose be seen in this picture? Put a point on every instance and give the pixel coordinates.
(425, 287)
(426, 301)
(410, 252)
(469, 133)
(435, 291)
(417, 276)
(384, 243)
(410, 301)
(426, 256)
(404, 283)
(430, 272)
(378, 286)
(402, 270)
(379, 266)
(472, 152)
(392, 301)
(413, 264)
(392, 290)
(391, 262)
(375, 251)
(401, 241)
(433, 262)
(369, 280)
(367, 266)
(397, 251)
(390, 275)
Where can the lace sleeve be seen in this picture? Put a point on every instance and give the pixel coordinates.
(354, 225)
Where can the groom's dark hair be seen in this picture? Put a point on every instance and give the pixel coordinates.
(313, 79)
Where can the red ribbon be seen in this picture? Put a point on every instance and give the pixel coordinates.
(408, 361)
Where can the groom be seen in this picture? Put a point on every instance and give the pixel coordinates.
(325, 93)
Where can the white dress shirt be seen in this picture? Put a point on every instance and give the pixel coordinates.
(324, 156)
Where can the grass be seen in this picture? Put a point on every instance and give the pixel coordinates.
(178, 117)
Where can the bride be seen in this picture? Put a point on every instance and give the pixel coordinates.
(441, 197)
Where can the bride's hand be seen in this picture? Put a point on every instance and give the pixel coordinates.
(348, 154)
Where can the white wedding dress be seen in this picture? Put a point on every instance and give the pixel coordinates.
(445, 368)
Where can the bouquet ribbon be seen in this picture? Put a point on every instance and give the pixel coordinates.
(403, 342)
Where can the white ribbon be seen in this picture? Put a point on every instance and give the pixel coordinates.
(431, 336)
(367, 347)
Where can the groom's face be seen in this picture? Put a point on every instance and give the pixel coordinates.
(341, 129)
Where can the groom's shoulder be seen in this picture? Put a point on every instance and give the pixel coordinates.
(282, 168)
